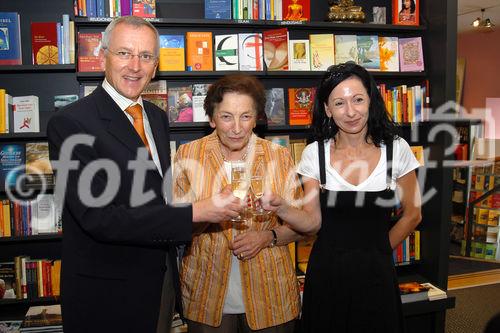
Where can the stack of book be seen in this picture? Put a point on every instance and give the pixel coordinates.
(45, 318)
(415, 291)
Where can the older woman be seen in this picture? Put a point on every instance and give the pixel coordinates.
(237, 276)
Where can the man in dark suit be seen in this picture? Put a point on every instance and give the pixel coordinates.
(110, 151)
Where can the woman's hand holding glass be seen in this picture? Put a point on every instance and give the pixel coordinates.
(239, 184)
(258, 186)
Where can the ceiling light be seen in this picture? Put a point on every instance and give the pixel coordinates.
(483, 23)
(476, 22)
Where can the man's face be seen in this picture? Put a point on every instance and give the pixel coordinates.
(130, 77)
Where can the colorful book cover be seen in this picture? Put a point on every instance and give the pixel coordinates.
(298, 55)
(199, 93)
(45, 316)
(144, 8)
(411, 55)
(301, 101)
(405, 12)
(12, 161)
(413, 292)
(156, 93)
(389, 54)
(296, 10)
(199, 51)
(346, 49)
(10, 39)
(26, 114)
(276, 49)
(251, 52)
(89, 45)
(172, 56)
(44, 50)
(368, 52)
(8, 276)
(322, 51)
(38, 167)
(218, 9)
(180, 104)
(226, 52)
(275, 107)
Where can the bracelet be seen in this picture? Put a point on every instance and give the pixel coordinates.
(275, 238)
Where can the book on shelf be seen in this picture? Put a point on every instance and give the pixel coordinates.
(144, 8)
(300, 103)
(7, 281)
(172, 56)
(180, 104)
(89, 46)
(42, 318)
(12, 161)
(200, 91)
(26, 114)
(10, 39)
(218, 9)
(63, 100)
(226, 52)
(275, 107)
(322, 51)
(282, 140)
(293, 10)
(346, 48)
(38, 168)
(411, 55)
(368, 52)
(405, 12)
(297, 146)
(299, 58)
(418, 151)
(413, 292)
(250, 52)
(276, 49)
(44, 43)
(6, 112)
(156, 93)
(388, 53)
(199, 54)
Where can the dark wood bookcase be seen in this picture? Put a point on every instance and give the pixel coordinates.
(437, 29)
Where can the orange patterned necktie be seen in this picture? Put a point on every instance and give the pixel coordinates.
(135, 111)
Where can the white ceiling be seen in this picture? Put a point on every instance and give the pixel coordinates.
(469, 10)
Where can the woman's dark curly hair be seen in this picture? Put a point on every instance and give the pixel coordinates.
(380, 128)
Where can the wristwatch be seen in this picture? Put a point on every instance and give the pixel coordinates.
(275, 238)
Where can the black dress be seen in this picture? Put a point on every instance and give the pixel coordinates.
(351, 283)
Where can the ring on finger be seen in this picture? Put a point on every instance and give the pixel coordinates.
(240, 256)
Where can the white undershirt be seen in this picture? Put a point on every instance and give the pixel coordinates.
(233, 304)
(123, 103)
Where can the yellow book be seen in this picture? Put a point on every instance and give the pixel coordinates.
(482, 216)
(55, 277)
(3, 115)
(322, 51)
(7, 232)
(493, 216)
(172, 53)
(199, 54)
(417, 244)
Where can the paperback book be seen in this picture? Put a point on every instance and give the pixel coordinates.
(298, 55)
(89, 45)
(12, 161)
(172, 53)
(199, 51)
(26, 114)
(199, 93)
(276, 49)
(300, 103)
(250, 52)
(38, 168)
(411, 55)
(156, 93)
(346, 49)
(322, 51)
(226, 52)
(180, 104)
(389, 54)
(44, 50)
(275, 107)
(368, 52)
(10, 39)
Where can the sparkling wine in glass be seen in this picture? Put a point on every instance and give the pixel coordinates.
(257, 185)
(239, 184)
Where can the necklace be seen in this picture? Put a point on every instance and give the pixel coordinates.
(242, 158)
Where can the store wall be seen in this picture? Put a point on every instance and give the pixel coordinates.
(482, 71)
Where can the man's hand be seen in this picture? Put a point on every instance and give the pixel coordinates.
(219, 208)
(247, 244)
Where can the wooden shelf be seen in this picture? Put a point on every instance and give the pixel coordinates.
(422, 307)
(262, 24)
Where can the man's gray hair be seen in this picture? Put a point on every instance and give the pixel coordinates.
(134, 21)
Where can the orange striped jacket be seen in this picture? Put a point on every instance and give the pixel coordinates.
(269, 284)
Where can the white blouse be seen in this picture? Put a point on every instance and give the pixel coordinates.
(403, 161)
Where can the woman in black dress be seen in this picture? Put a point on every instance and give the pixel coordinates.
(352, 175)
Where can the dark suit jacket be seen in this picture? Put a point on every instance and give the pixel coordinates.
(114, 257)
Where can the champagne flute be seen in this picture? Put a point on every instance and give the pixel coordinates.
(257, 185)
(239, 184)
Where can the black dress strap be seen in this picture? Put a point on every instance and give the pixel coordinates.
(388, 151)
(322, 172)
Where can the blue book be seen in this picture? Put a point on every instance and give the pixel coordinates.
(218, 9)
(10, 39)
(12, 163)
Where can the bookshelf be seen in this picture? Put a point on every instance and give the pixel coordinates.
(437, 29)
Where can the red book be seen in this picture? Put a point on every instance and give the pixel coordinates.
(89, 45)
(276, 49)
(301, 101)
(144, 8)
(405, 12)
(296, 10)
(44, 43)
